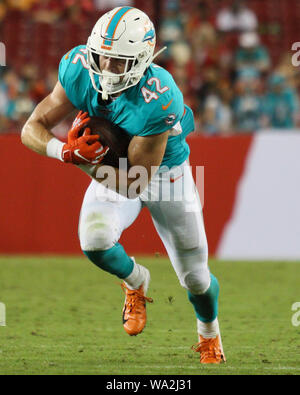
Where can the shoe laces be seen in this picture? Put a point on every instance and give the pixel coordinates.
(208, 348)
(134, 299)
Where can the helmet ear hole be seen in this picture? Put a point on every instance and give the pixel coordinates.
(132, 63)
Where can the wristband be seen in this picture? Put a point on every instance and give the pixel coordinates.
(54, 149)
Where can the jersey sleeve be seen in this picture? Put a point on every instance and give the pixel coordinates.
(165, 111)
(73, 75)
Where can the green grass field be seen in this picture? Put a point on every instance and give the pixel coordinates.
(64, 317)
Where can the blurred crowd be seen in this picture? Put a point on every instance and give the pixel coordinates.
(225, 72)
(217, 58)
(50, 11)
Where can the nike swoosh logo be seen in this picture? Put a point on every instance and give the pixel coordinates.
(175, 179)
(76, 152)
(167, 106)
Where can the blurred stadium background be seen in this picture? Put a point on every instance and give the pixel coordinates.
(232, 59)
(233, 62)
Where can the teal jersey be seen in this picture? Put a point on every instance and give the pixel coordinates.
(281, 108)
(258, 54)
(151, 107)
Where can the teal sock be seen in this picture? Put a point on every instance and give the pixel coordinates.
(206, 305)
(115, 261)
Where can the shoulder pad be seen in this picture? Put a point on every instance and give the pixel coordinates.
(73, 74)
(163, 99)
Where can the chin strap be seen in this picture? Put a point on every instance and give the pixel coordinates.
(112, 79)
(104, 95)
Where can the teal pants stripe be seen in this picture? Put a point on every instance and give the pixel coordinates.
(114, 261)
(206, 305)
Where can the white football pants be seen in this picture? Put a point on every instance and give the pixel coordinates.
(173, 201)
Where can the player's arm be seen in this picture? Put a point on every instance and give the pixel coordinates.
(145, 154)
(36, 133)
(148, 151)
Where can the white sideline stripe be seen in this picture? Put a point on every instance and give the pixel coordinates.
(197, 366)
(223, 366)
(99, 348)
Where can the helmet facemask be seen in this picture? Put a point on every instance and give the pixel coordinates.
(112, 83)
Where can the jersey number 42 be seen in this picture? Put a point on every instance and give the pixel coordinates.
(151, 95)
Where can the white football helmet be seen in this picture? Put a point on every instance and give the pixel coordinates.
(122, 33)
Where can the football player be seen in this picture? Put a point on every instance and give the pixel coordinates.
(114, 77)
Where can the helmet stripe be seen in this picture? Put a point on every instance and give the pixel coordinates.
(113, 24)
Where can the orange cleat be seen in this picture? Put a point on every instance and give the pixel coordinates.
(134, 311)
(211, 350)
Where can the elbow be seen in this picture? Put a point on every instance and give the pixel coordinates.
(25, 136)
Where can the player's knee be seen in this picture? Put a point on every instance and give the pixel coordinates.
(197, 282)
(98, 232)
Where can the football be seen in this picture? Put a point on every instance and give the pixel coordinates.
(113, 136)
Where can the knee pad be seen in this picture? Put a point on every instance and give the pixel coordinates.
(99, 231)
(197, 282)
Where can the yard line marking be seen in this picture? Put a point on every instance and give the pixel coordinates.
(2, 314)
(224, 366)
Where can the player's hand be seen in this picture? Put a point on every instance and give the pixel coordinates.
(85, 149)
